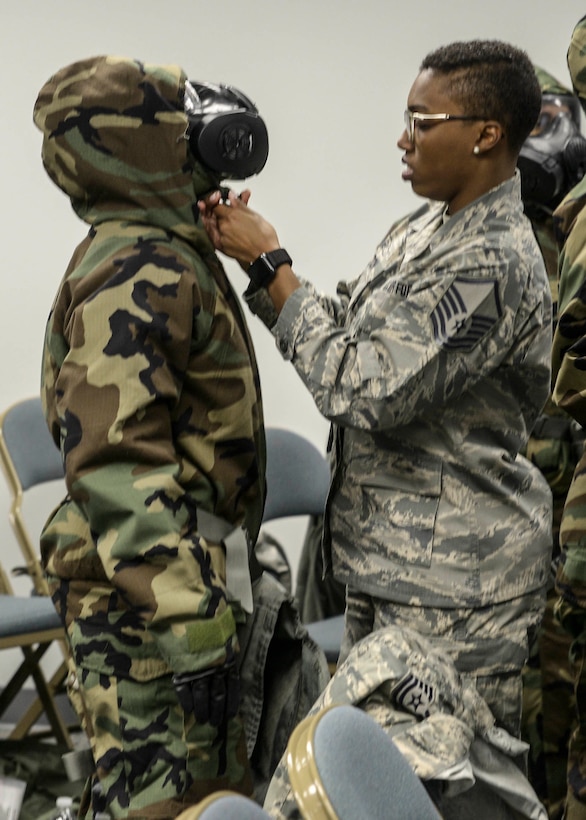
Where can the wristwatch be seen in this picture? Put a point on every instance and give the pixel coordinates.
(264, 268)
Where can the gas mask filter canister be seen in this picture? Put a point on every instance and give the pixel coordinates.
(226, 133)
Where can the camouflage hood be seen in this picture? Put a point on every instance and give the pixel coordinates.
(114, 142)
(577, 60)
(572, 205)
(550, 84)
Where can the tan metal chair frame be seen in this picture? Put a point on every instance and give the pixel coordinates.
(33, 644)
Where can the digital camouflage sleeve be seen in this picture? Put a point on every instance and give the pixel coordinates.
(450, 319)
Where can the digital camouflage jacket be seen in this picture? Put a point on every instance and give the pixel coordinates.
(150, 385)
(438, 721)
(433, 367)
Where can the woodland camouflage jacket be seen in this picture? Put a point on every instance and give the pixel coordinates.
(150, 385)
(569, 363)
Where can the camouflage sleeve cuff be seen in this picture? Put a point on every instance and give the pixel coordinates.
(199, 644)
(301, 313)
(260, 303)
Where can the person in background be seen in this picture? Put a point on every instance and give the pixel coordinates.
(433, 367)
(569, 393)
(550, 165)
(151, 390)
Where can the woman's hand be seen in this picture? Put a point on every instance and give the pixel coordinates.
(235, 229)
(239, 232)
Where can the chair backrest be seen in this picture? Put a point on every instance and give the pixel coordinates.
(225, 805)
(298, 476)
(29, 457)
(343, 765)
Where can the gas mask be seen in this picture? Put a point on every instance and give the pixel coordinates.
(226, 133)
(553, 158)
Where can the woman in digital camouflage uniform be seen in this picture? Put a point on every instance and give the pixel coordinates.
(433, 366)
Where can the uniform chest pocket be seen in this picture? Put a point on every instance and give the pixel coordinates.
(374, 311)
(400, 512)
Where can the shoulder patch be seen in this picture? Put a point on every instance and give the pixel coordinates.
(465, 313)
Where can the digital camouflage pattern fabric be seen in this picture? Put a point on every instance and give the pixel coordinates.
(438, 721)
(570, 394)
(430, 503)
(433, 367)
(152, 393)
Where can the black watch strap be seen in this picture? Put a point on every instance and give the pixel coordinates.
(264, 268)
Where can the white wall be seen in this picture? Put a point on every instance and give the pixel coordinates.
(331, 79)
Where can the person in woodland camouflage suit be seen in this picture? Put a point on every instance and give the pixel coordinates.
(554, 446)
(151, 390)
(569, 394)
(433, 367)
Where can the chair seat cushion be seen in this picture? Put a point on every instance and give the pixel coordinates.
(362, 771)
(19, 615)
(328, 635)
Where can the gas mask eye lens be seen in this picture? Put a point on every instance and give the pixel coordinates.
(542, 123)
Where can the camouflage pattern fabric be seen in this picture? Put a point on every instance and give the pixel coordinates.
(438, 721)
(548, 699)
(569, 393)
(550, 84)
(433, 367)
(554, 446)
(548, 717)
(576, 60)
(151, 391)
(489, 645)
(152, 759)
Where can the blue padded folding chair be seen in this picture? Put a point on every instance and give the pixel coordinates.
(298, 481)
(225, 805)
(328, 634)
(342, 765)
(298, 476)
(31, 624)
(29, 457)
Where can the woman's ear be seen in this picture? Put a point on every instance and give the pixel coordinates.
(491, 134)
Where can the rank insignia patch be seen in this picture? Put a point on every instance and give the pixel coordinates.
(414, 695)
(465, 313)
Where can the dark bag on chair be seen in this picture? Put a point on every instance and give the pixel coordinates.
(282, 673)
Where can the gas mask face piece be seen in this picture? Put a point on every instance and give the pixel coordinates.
(553, 157)
(226, 133)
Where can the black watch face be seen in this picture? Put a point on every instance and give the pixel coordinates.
(263, 269)
(261, 272)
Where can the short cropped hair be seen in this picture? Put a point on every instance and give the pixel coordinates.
(492, 79)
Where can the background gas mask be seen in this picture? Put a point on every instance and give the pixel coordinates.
(226, 133)
(553, 157)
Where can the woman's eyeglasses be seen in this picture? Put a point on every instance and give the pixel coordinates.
(413, 117)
